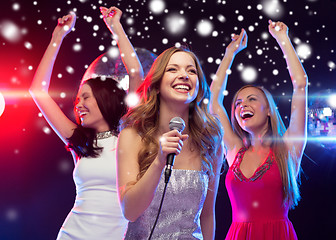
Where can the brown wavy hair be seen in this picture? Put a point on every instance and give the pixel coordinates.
(283, 156)
(204, 129)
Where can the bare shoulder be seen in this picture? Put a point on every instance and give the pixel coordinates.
(231, 153)
(129, 138)
(129, 134)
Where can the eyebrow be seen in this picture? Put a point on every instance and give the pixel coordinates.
(176, 65)
(247, 97)
(83, 94)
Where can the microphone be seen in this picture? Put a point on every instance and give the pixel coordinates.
(178, 124)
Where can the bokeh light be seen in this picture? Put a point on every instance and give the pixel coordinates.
(204, 27)
(157, 6)
(304, 50)
(249, 74)
(10, 31)
(176, 24)
(132, 99)
(272, 8)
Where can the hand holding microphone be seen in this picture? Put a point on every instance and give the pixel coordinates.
(172, 143)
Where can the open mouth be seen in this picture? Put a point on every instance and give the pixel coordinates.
(82, 114)
(246, 115)
(182, 87)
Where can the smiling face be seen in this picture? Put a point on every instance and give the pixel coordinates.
(180, 80)
(251, 110)
(88, 111)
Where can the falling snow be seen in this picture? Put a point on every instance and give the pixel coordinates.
(204, 28)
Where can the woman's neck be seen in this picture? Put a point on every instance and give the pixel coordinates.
(169, 112)
(260, 141)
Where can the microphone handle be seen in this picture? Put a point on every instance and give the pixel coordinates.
(169, 166)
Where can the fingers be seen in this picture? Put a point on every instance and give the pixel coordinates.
(172, 142)
(110, 12)
(103, 10)
(245, 37)
(234, 37)
(65, 19)
(277, 26)
(185, 137)
(241, 35)
(241, 39)
(171, 145)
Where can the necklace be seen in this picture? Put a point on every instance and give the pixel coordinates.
(103, 135)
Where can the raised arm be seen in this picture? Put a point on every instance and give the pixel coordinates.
(129, 57)
(63, 126)
(296, 134)
(135, 196)
(231, 141)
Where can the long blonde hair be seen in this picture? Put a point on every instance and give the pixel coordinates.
(283, 156)
(204, 129)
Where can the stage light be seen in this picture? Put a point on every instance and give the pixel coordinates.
(332, 100)
(2, 104)
(322, 119)
(327, 112)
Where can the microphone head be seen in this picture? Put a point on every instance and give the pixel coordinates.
(177, 123)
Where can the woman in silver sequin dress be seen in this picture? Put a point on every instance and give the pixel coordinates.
(175, 86)
(100, 104)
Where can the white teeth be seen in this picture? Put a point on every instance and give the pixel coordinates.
(184, 87)
(82, 114)
(246, 114)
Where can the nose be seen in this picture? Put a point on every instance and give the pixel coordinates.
(184, 75)
(243, 104)
(78, 105)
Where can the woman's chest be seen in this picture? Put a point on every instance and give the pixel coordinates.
(188, 158)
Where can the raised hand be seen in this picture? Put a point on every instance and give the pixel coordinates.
(65, 25)
(111, 16)
(278, 30)
(238, 43)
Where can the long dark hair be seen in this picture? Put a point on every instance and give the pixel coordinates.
(110, 99)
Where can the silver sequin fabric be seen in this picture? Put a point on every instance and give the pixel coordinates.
(181, 209)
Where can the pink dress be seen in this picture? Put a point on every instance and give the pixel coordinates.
(258, 212)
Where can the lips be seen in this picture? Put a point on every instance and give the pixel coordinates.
(182, 87)
(82, 114)
(246, 114)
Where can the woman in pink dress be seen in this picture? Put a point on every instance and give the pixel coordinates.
(264, 157)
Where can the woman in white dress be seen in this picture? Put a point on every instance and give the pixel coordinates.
(100, 105)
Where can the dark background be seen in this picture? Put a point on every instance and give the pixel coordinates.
(36, 186)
